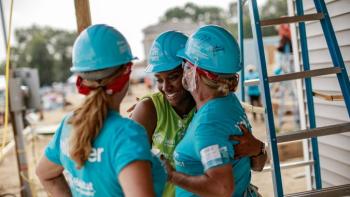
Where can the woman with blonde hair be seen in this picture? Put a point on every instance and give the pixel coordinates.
(102, 153)
(205, 158)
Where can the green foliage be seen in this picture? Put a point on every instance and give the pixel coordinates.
(196, 14)
(44, 48)
(216, 15)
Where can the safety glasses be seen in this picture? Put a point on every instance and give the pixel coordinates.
(186, 65)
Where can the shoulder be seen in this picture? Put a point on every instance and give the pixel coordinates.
(144, 110)
(133, 127)
(146, 105)
(215, 109)
(64, 125)
(122, 127)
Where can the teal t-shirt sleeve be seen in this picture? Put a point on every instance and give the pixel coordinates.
(52, 150)
(132, 145)
(212, 145)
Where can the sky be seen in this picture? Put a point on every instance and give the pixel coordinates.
(129, 17)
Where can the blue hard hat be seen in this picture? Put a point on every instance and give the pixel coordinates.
(162, 56)
(214, 49)
(99, 47)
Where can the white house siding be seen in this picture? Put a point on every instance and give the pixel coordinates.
(335, 149)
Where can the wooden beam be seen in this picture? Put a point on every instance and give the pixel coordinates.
(291, 19)
(328, 95)
(309, 133)
(253, 109)
(82, 13)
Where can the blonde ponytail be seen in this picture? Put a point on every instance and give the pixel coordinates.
(87, 120)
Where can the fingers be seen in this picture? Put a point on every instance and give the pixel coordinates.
(131, 108)
(234, 138)
(237, 157)
(243, 129)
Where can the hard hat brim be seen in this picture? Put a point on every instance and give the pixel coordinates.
(162, 67)
(181, 53)
(76, 69)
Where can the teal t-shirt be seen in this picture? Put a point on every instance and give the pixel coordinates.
(206, 143)
(120, 142)
(252, 90)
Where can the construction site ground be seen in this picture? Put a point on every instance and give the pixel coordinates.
(293, 178)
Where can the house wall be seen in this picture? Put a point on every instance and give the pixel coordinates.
(335, 149)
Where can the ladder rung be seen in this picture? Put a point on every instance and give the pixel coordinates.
(291, 19)
(291, 165)
(328, 95)
(341, 190)
(308, 133)
(296, 75)
(304, 74)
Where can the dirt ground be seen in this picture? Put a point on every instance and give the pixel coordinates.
(293, 178)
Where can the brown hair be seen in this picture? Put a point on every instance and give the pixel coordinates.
(88, 119)
(223, 85)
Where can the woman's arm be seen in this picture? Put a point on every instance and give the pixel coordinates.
(51, 177)
(145, 114)
(250, 146)
(136, 179)
(217, 181)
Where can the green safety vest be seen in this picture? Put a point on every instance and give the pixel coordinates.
(169, 131)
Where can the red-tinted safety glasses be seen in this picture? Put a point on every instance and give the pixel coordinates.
(114, 86)
(209, 75)
(187, 64)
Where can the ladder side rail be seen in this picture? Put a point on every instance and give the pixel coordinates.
(301, 95)
(335, 52)
(241, 44)
(309, 95)
(264, 86)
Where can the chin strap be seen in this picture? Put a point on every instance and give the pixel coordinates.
(114, 86)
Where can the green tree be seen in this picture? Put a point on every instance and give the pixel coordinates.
(219, 16)
(197, 14)
(44, 48)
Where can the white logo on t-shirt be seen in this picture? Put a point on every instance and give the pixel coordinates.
(81, 186)
(95, 155)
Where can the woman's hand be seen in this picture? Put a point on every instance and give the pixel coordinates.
(248, 145)
(168, 167)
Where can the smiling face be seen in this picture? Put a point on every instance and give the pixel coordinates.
(170, 84)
